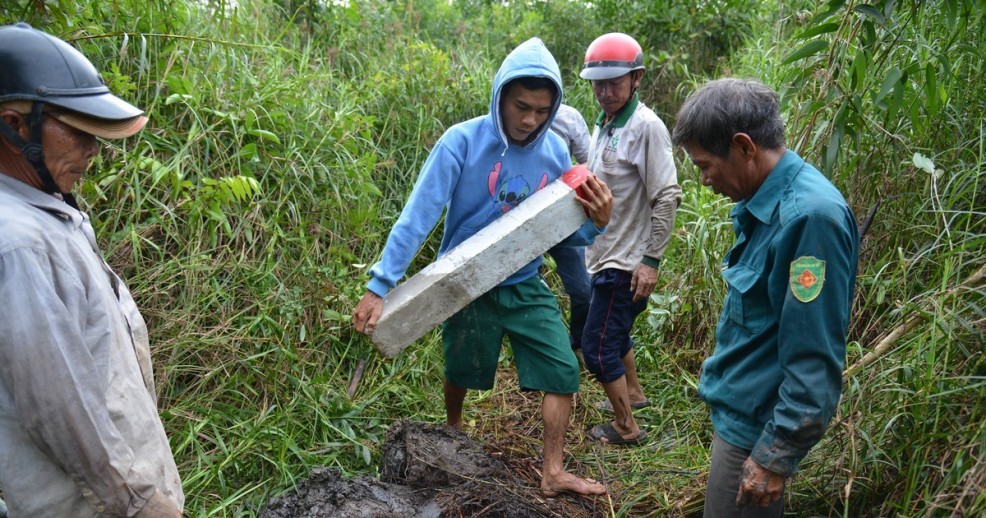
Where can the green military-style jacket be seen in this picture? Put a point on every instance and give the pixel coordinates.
(775, 378)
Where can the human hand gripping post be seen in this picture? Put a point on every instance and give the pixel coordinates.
(367, 313)
(596, 199)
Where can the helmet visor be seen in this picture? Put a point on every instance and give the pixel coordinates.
(102, 106)
(110, 129)
(595, 72)
(105, 128)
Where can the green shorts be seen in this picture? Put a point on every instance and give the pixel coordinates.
(528, 314)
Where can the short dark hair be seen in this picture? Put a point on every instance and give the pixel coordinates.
(531, 83)
(724, 107)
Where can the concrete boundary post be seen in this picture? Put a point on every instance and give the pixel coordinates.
(480, 263)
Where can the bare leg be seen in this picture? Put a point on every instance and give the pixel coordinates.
(634, 391)
(454, 396)
(624, 423)
(555, 410)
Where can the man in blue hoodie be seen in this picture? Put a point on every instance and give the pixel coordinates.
(477, 171)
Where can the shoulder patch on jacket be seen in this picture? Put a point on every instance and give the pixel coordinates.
(807, 277)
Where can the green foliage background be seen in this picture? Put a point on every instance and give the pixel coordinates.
(285, 135)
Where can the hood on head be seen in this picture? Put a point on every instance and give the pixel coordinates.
(529, 59)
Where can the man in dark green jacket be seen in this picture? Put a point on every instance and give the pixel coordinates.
(774, 380)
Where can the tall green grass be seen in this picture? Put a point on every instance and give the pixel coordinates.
(285, 136)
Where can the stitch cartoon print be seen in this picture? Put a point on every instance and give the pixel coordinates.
(508, 192)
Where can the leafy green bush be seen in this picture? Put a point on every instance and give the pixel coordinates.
(285, 136)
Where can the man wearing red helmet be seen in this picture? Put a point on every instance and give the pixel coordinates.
(631, 151)
(80, 434)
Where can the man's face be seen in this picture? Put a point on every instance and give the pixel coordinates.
(729, 177)
(613, 94)
(67, 152)
(524, 111)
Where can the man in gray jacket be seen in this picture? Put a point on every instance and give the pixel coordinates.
(570, 260)
(80, 433)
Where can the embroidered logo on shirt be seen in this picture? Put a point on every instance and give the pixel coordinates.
(609, 150)
(613, 142)
(807, 278)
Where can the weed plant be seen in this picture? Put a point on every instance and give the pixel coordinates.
(285, 136)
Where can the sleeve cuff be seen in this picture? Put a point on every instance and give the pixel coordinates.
(591, 229)
(158, 506)
(650, 261)
(777, 456)
(379, 287)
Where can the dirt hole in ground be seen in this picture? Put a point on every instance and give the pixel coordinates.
(427, 471)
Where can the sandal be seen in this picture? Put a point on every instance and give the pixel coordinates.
(606, 434)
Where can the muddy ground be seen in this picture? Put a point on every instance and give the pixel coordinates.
(429, 471)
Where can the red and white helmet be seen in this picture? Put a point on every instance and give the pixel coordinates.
(612, 55)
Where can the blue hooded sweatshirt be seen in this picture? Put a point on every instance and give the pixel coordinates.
(476, 175)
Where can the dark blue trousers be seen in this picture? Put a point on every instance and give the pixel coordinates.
(612, 311)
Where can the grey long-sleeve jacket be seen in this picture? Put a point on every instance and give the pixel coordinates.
(570, 126)
(79, 430)
(633, 155)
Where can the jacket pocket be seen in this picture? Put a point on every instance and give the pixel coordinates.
(747, 304)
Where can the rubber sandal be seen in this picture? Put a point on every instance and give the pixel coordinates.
(606, 434)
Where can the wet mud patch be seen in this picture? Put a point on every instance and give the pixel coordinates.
(325, 493)
(426, 471)
(433, 457)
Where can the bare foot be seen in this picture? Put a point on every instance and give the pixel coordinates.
(566, 482)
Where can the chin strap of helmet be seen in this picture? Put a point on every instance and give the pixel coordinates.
(32, 151)
(633, 89)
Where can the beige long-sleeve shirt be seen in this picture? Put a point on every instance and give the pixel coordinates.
(633, 155)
